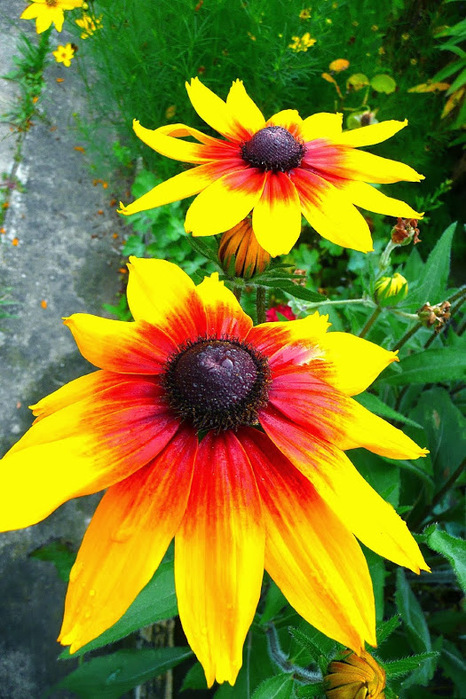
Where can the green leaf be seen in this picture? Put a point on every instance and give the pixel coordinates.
(59, 553)
(452, 548)
(383, 83)
(195, 678)
(274, 601)
(278, 687)
(386, 628)
(398, 668)
(134, 246)
(296, 290)
(111, 676)
(156, 602)
(428, 366)
(311, 690)
(204, 248)
(416, 628)
(432, 284)
(377, 406)
(452, 663)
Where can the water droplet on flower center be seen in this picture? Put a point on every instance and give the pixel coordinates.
(273, 148)
(217, 384)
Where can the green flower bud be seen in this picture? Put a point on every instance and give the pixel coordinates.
(389, 291)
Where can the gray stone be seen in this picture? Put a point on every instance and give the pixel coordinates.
(66, 259)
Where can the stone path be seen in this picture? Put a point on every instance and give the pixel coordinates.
(57, 256)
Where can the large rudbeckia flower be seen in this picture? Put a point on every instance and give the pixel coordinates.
(278, 169)
(227, 437)
(47, 12)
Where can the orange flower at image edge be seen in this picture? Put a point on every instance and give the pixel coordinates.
(278, 169)
(267, 485)
(47, 12)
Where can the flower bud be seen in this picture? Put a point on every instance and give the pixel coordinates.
(405, 231)
(240, 243)
(436, 316)
(355, 677)
(389, 291)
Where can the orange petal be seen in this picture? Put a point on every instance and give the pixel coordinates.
(134, 348)
(276, 219)
(359, 507)
(83, 448)
(126, 540)
(219, 556)
(163, 295)
(224, 315)
(310, 554)
(88, 386)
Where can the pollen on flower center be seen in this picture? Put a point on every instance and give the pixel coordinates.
(217, 384)
(273, 148)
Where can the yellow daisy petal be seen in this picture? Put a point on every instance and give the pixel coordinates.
(323, 125)
(368, 135)
(210, 108)
(372, 199)
(244, 111)
(276, 219)
(359, 165)
(168, 145)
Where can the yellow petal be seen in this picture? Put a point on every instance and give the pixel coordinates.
(224, 315)
(289, 119)
(126, 540)
(72, 392)
(160, 293)
(211, 108)
(135, 348)
(219, 556)
(185, 184)
(225, 202)
(311, 555)
(245, 113)
(355, 362)
(323, 125)
(168, 145)
(355, 503)
(276, 219)
(372, 199)
(30, 12)
(331, 213)
(359, 165)
(364, 429)
(368, 135)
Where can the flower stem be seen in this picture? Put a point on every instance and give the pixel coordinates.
(279, 657)
(260, 304)
(385, 256)
(407, 336)
(370, 322)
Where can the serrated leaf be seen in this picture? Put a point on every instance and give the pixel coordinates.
(433, 283)
(156, 602)
(377, 406)
(386, 628)
(398, 668)
(383, 83)
(203, 248)
(452, 548)
(428, 366)
(278, 687)
(311, 690)
(296, 290)
(111, 676)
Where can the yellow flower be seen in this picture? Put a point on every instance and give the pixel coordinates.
(46, 12)
(303, 43)
(277, 169)
(64, 54)
(391, 290)
(355, 677)
(305, 13)
(339, 64)
(89, 25)
(229, 437)
(240, 242)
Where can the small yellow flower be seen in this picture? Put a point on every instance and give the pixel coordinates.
(170, 111)
(64, 54)
(339, 64)
(302, 43)
(240, 244)
(47, 12)
(355, 677)
(89, 25)
(389, 291)
(305, 13)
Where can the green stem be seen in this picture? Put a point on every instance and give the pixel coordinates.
(260, 304)
(279, 657)
(237, 290)
(407, 336)
(385, 256)
(370, 322)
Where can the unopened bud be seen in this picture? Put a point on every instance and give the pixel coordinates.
(389, 291)
(435, 317)
(405, 231)
(355, 677)
(239, 247)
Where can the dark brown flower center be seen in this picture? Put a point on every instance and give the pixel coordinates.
(217, 384)
(273, 148)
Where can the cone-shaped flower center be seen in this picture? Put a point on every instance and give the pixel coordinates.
(217, 384)
(273, 148)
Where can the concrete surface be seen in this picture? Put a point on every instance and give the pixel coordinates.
(65, 260)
